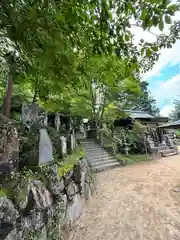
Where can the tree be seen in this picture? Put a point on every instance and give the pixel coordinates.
(175, 114)
(145, 101)
(106, 77)
(55, 39)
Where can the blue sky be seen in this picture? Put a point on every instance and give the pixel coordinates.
(164, 78)
(165, 87)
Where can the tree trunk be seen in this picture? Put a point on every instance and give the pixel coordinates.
(7, 100)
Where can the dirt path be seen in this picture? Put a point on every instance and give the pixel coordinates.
(134, 203)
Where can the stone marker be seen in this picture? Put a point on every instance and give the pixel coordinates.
(63, 145)
(45, 148)
(73, 142)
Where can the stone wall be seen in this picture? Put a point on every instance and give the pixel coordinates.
(45, 209)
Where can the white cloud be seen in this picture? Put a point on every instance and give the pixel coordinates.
(164, 93)
(167, 56)
(166, 110)
(167, 91)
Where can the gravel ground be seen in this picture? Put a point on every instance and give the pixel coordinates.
(136, 202)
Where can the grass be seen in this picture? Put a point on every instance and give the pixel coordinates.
(133, 158)
(70, 161)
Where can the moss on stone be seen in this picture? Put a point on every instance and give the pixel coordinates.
(3, 192)
(70, 161)
(17, 190)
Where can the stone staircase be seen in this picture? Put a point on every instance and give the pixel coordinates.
(98, 157)
(168, 152)
(164, 151)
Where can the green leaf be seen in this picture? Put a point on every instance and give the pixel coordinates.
(143, 14)
(127, 37)
(148, 52)
(154, 48)
(172, 8)
(155, 20)
(161, 26)
(168, 19)
(142, 51)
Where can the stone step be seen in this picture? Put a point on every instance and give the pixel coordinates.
(100, 159)
(106, 166)
(92, 148)
(98, 153)
(172, 153)
(95, 149)
(169, 151)
(102, 153)
(102, 163)
(90, 143)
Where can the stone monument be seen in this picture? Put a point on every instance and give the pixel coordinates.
(45, 148)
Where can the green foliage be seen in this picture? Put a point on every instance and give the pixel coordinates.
(63, 46)
(3, 193)
(134, 138)
(108, 83)
(175, 114)
(178, 133)
(145, 101)
(70, 161)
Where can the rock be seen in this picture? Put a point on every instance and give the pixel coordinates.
(8, 213)
(61, 209)
(84, 164)
(68, 177)
(9, 148)
(56, 184)
(40, 216)
(18, 190)
(12, 235)
(41, 196)
(75, 208)
(77, 174)
(43, 234)
(61, 185)
(5, 169)
(71, 189)
(29, 154)
(29, 113)
(87, 191)
(56, 187)
(82, 183)
(88, 177)
(5, 229)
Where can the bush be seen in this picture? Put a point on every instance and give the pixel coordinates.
(178, 133)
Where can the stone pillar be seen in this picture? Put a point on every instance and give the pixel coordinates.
(73, 141)
(57, 121)
(63, 146)
(46, 119)
(30, 113)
